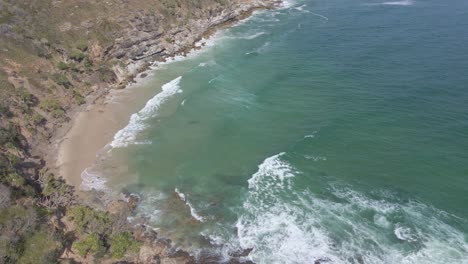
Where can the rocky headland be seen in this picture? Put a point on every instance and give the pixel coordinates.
(56, 58)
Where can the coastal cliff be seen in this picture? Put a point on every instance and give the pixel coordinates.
(56, 57)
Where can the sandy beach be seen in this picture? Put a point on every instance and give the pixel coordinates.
(78, 143)
(94, 127)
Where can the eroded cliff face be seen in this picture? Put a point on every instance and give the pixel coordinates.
(66, 53)
(58, 55)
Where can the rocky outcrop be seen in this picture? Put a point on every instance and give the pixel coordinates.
(57, 55)
(147, 40)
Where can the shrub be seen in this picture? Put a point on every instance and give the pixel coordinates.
(121, 243)
(38, 119)
(10, 134)
(56, 193)
(74, 67)
(4, 109)
(87, 63)
(17, 221)
(15, 180)
(106, 74)
(26, 97)
(78, 98)
(58, 113)
(50, 105)
(61, 79)
(82, 45)
(91, 244)
(41, 247)
(62, 66)
(13, 159)
(77, 56)
(89, 220)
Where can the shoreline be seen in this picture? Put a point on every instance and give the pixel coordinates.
(75, 146)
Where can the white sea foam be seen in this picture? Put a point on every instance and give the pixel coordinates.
(193, 212)
(274, 228)
(92, 181)
(147, 208)
(315, 158)
(271, 167)
(301, 9)
(250, 36)
(259, 50)
(287, 226)
(128, 134)
(404, 233)
(394, 3)
(321, 16)
(401, 3)
(286, 4)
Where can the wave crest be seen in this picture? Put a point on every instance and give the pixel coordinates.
(128, 134)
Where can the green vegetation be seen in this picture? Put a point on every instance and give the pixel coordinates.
(53, 107)
(10, 134)
(90, 244)
(87, 63)
(37, 119)
(25, 96)
(62, 66)
(15, 180)
(61, 79)
(106, 74)
(4, 110)
(36, 82)
(41, 247)
(88, 220)
(16, 223)
(83, 46)
(122, 243)
(78, 98)
(50, 105)
(77, 56)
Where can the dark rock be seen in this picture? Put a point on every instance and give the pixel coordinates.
(322, 260)
(240, 252)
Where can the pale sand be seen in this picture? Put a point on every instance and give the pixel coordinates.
(95, 127)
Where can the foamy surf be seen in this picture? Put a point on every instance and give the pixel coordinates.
(193, 212)
(92, 181)
(128, 134)
(393, 3)
(288, 226)
(271, 226)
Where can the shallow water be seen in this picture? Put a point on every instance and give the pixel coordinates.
(325, 130)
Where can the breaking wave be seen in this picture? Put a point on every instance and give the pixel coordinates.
(284, 224)
(128, 134)
(193, 212)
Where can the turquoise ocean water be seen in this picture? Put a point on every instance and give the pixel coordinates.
(328, 129)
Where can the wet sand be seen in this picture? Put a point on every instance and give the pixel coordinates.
(95, 127)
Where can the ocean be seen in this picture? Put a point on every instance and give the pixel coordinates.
(326, 130)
